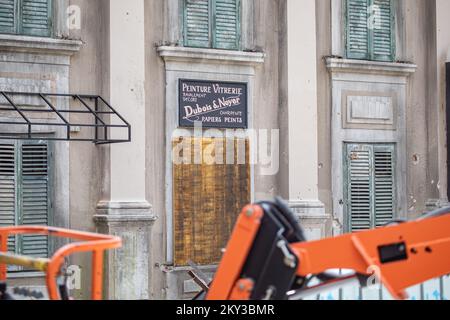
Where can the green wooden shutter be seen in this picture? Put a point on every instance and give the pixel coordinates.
(357, 29)
(383, 44)
(8, 15)
(370, 189)
(34, 196)
(197, 23)
(369, 30)
(36, 17)
(226, 28)
(384, 179)
(8, 186)
(359, 187)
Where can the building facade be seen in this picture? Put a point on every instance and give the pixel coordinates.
(338, 106)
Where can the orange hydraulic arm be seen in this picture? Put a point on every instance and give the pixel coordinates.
(268, 257)
(85, 242)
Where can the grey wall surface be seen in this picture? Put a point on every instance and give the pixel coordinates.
(89, 164)
(265, 31)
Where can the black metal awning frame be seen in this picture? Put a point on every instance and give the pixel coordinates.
(91, 104)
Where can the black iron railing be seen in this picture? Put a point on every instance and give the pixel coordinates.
(92, 112)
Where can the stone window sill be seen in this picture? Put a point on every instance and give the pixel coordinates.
(205, 268)
(19, 43)
(202, 55)
(25, 275)
(338, 65)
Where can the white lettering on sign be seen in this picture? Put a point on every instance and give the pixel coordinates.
(219, 104)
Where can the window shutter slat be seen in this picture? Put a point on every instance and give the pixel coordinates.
(359, 187)
(384, 184)
(34, 195)
(197, 23)
(227, 22)
(357, 29)
(382, 32)
(7, 16)
(36, 17)
(8, 190)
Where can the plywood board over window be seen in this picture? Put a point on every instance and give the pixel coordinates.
(208, 194)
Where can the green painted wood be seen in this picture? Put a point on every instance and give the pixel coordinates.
(35, 17)
(8, 13)
(34, 191)
(25, 193)
(384, 184)
(370, 186)
(8, 186)
(227, 21)
(369, 29)
(357, 31)
(359, 202)
(26, 17)
(212, 24)
(197, 21)
(383, 44)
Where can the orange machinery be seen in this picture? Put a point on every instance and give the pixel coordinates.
(83, 242)
(269, 258)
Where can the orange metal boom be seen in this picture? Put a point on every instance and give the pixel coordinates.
(405, 255)
(86, 242)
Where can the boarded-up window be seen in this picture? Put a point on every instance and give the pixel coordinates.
(208, 197)
(370, 185)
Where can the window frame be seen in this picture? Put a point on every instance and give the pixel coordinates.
(212, 27)
(370, 55)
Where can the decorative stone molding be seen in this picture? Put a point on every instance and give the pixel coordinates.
(132, 221)
(369, 110)
(308, 209)
(183, 54)
(312, 218)
(39, 45)
(337, 65)
(433, 204)
(124, 212)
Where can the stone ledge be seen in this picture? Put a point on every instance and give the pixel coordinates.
(183, 54)
(19, 43)
(337, 65)
(107, 218)
(311, 209)
(138, 211)
(26, 275)
(434, 204)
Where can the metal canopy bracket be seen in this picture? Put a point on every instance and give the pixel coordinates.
(62, 117)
